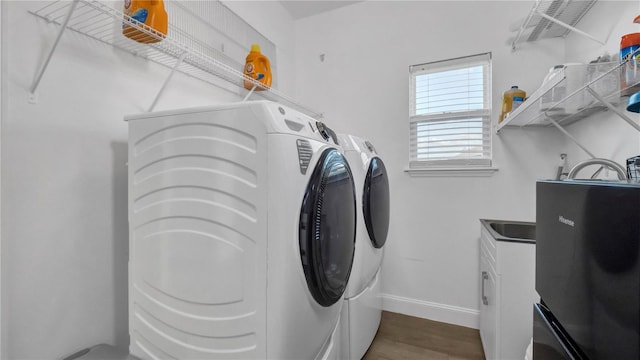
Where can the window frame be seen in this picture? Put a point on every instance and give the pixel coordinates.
(452, 166)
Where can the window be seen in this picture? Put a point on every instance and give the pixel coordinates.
(450, 113)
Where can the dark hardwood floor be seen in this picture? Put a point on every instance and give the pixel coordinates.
(405, 337)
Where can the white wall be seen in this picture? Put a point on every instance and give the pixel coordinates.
(64, 179)
(606, 135)
(431, 263)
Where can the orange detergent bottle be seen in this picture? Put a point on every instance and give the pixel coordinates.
(148, 12)
(257, 67)
(507, 100)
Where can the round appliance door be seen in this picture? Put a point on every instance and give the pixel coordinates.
(375, 202)
(328, 228)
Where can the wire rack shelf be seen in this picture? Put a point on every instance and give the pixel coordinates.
(553, 18)
(179, 50)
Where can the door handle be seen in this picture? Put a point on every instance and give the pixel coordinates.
(485, 276)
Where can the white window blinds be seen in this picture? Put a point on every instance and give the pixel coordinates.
(450, 113)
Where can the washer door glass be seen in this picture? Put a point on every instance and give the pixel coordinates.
(375, 202)
(328, 228)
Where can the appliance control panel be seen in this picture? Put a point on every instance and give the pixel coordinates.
(322, 130)
(300, 124)
(326, 132)
(369, 146)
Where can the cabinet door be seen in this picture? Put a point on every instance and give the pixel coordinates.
(488, 301)
(517, 296)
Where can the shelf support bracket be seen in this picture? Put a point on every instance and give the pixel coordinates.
(577, 31)
(63, 26)
(534, 10)
(249, 93)
(166, 81)
(562, 130)
(613, 108)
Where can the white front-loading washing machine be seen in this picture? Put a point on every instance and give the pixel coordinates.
(362, 308)
(242, 234)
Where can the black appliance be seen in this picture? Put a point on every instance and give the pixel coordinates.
(587, 270)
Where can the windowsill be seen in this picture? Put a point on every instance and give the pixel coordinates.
(452, 172)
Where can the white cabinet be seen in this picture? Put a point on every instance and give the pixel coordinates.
(488, 316)
(507, 273)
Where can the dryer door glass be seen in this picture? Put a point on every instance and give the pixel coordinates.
(327, 228)
(375, 202)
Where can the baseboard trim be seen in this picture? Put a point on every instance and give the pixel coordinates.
(430, 310)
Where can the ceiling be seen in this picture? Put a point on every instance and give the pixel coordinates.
(303, 8)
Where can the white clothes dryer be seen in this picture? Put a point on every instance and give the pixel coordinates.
(242, 234)
(362, 308)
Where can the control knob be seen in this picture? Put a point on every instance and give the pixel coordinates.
(323, 130)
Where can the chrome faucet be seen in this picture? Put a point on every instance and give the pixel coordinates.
(622, 174)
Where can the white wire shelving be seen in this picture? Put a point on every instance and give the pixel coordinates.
(553, 18)
(557, 18)
(179, 50)
(596, 94)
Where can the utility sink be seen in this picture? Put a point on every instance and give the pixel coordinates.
(511, 230)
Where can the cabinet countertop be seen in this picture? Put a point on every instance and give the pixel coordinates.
(510, 231)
